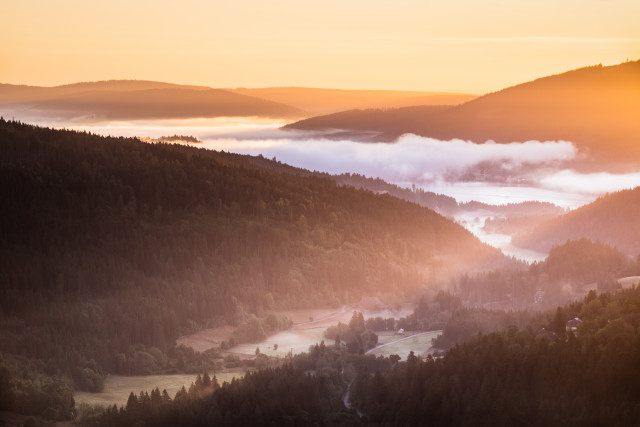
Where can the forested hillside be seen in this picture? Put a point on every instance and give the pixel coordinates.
(522, 376)
(109, 243)
(565, 274)
(612, 219)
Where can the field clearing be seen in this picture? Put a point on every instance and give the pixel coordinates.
(419, 344)
(627, 282)
(207, 338)
(311, 314)
(295, 340)
(386, 337)
(331, 316)
(117, 388)
(308, 329)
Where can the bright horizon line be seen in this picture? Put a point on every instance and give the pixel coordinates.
(125, 79)
(321, 87)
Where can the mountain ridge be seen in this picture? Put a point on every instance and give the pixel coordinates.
(594, 107)
(136, 99)
(280, 102)
(611, 219)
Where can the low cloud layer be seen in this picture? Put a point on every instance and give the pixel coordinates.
(412, 159)
(594, 183)
(494, 173)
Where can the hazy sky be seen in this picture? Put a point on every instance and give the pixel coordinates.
(454, 45)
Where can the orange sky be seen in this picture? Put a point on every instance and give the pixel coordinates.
(455, 45)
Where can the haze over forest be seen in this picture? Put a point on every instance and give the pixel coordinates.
(336, 214)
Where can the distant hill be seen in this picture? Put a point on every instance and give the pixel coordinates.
(612, 219)
(326, 101)
(595, 107)
(387, 124)
(133, 99)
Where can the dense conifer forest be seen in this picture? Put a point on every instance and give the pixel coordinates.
(111, 248)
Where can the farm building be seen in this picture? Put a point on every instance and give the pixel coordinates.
(573, 324)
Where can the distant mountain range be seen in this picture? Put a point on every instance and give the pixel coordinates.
(597, 108)
(612, 219)
(326, 101)
(129, 100)
(139, 99)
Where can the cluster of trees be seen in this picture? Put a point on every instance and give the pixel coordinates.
(253, 329)
(186, 138)
(287, 395)
(467, 322)
(112, 248)
(25, 389)
(430, 313)
(356, 336)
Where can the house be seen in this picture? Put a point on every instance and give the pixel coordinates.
(573, 324)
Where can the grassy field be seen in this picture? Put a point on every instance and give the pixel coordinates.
(385, 337)
(117, 388)
(391, 343)
(294, 340)
(309, 325)
(627, 282)
(308, 330)
(207, 338)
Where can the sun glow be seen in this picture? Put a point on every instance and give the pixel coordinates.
(464, 45)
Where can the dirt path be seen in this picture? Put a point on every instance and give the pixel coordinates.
(401, 339)
(347, 403)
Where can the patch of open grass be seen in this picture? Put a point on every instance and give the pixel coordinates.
(117, 388)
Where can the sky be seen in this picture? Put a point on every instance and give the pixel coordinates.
(456, 45)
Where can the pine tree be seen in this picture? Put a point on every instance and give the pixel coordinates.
(206, 380)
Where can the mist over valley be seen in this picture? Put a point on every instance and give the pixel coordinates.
(320, 256)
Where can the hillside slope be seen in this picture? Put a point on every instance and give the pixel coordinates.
(132, 99)
(109, 243)
(594, 107)
(612, 219)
